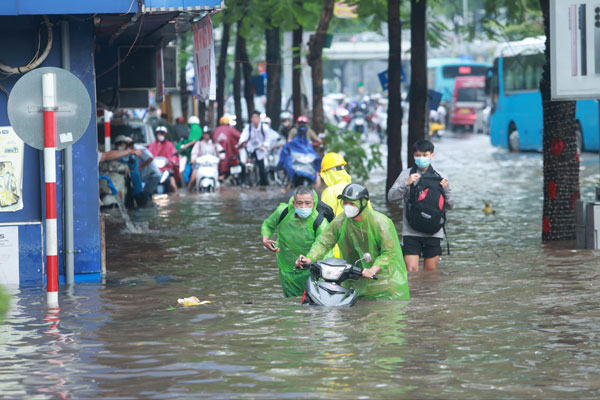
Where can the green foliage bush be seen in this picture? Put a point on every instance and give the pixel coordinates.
(348, 144)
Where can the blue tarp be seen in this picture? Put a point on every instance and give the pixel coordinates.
(299, 158)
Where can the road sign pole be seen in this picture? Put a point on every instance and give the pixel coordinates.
(48, 107)
(107, 115)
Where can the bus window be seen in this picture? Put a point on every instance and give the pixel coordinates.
(523, 72)
(471, 94)
(494, 88)
(431, 78)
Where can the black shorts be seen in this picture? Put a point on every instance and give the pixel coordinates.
(427, 247)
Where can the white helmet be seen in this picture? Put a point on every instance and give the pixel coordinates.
(286, 115)
(193, 120)
(161, 128)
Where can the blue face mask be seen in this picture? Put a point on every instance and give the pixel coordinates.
(303, 212)
(422, 162)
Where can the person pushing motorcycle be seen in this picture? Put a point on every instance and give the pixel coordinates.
(298, 224)
(359, 230)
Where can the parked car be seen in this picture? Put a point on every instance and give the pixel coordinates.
(141, 132)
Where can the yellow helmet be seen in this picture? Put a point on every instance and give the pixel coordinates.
(332, 160)
(224, 120)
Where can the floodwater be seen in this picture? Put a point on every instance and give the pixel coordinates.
(503, 317)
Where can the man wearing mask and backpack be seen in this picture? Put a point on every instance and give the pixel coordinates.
(426, 196)
(298, 224)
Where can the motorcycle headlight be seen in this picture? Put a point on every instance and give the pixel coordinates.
(330, 272)
(160, 163)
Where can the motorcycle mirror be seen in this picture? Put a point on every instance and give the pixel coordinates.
(366, 258)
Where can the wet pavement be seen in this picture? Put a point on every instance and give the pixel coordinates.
(503, 317)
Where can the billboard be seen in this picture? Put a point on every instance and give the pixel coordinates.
(204, 60)
(575, 49)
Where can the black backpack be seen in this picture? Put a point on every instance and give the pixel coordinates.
(426, 206)
(324, 212)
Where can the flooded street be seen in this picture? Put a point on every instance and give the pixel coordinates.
(503, 317)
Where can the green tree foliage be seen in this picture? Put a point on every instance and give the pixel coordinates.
(348, 143)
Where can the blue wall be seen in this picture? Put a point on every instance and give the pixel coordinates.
(38, 7)
(18, 44)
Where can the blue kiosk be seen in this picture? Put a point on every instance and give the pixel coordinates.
(31, 34)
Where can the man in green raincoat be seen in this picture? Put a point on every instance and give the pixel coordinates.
(298, 224)
(185, 145)
(360, 230)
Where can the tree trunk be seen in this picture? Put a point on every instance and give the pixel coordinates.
(315, 60)
(394, 116)
(221, 71)
(297, 72)
(273, 76)
(247, 69)
(202, 113)
(418, 113)
(561, 160)
(237, 81)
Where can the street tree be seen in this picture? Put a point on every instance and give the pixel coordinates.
(561, 160)
(417, 115)
(394, 115)
(315, 60)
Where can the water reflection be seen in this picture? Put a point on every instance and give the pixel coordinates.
(503, 317)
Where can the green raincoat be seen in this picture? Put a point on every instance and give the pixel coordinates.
(295, 236)
(376, 235)
(195, 135)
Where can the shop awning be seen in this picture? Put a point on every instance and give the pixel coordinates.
(41, 7)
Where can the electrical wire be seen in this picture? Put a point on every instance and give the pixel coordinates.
(32, 65)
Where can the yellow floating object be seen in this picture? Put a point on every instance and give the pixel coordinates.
(488, 209)
(192, 301)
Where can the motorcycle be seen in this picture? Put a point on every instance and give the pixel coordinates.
(324, 286)
(276, 175)
(436, 130)
(207, 173)
(359, 122)
(235, 171)
(163, 185)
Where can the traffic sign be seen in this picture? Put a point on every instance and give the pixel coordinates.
(73, 109)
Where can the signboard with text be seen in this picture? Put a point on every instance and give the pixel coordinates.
(11, 170)
(575, 49)
(204, 60)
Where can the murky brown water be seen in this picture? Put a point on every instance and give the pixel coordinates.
(503, 317)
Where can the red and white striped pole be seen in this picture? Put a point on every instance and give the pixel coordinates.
(48, 107)
(107, 115)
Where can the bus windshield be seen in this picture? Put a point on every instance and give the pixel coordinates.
(471, 94)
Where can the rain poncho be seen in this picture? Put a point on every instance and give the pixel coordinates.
(299, 158)
(195, 135)
(228, 137)
(167, 150)
(376, 235)
(295, 236)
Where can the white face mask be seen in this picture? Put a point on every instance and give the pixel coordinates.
(160, 138)
(350, 210)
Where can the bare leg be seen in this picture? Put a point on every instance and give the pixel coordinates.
(173, 184)
(192, 181)
(412, 262)
(431, 263)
